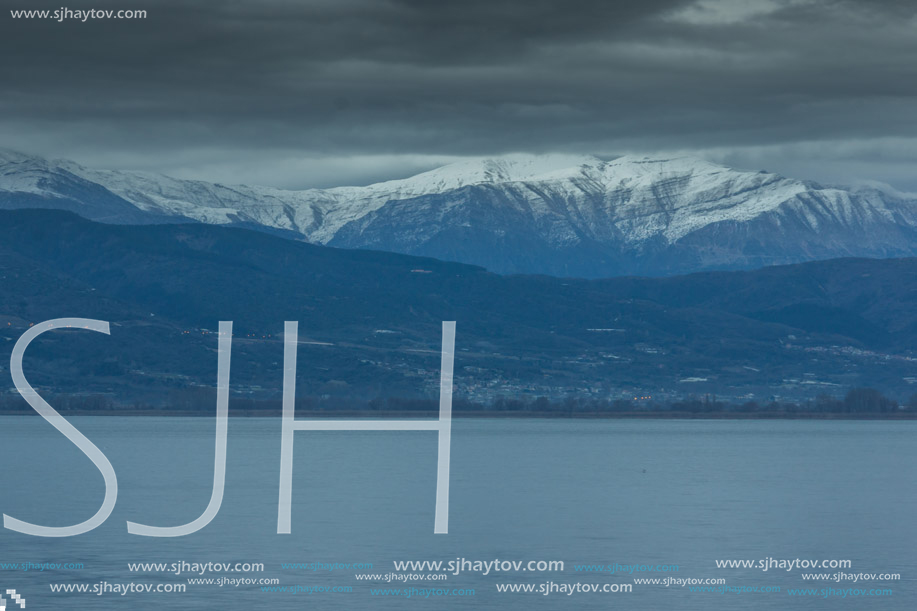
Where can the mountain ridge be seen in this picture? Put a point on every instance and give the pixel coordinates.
(566, 215)
(370, 322)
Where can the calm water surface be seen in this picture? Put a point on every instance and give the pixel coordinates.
(585, 492)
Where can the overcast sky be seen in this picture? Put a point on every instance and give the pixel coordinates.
(299, 93)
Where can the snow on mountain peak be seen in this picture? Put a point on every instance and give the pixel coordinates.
(628, 202)
(655, 167)
(515, 167)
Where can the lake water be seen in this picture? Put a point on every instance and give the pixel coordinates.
(585, 492)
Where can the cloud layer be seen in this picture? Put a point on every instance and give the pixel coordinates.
(300, 93)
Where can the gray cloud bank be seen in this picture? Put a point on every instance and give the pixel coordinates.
(298, 93)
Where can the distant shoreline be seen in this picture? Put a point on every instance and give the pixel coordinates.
(328, 414)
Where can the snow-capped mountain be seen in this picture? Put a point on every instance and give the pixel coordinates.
(553, 214)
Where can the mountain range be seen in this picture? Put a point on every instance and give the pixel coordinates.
(561, 215)
(370, 321)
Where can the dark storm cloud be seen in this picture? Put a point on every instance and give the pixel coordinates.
(296, 92)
